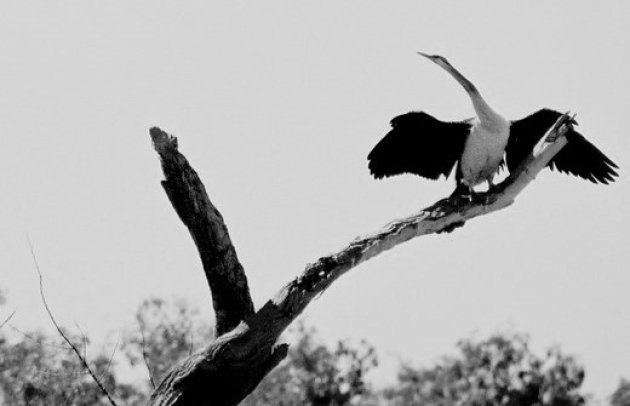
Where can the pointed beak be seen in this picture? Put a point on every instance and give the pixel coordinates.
(425, 55)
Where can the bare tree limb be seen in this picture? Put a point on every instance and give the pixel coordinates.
(60, 331)
(111, 358)
(84, 339)
(229, 368)
(8, 318)
(226, 277)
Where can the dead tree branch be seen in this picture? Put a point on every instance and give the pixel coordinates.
(230, 295)
(60, 331)
(230, 367)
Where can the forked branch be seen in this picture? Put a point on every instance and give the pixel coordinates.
(229, 368)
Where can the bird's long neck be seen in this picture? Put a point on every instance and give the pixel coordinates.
(483, 110)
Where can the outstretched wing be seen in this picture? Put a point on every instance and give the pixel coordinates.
(579, 157)
(419, 144)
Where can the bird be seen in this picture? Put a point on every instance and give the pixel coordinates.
(479, 147)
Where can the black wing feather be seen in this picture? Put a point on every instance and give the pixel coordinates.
(419, 144)
(579, 157)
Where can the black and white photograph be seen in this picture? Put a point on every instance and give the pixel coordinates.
(351, 203)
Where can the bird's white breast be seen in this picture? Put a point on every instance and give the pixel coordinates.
(484, 150)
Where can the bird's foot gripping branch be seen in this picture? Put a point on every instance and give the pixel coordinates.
(246, 348)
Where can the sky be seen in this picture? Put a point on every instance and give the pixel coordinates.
(276, 105)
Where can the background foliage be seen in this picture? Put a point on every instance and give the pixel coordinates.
(498, 370)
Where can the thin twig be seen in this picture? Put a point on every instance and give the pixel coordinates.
(44, 343)
(8, 318)
(59, 330)
(109, 363)
(145, 358)
(41, 342)
(84, 339)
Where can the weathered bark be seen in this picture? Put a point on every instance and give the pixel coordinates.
(230, 295)
(229, 368)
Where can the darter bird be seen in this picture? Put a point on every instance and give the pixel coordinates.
(423, 145)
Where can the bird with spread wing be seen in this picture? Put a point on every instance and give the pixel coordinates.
(422, 145)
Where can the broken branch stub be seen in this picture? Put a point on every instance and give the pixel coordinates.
(225, 275)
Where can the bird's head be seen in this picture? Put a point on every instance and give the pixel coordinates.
(437, 59)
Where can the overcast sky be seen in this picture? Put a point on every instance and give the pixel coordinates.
(276, 105)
